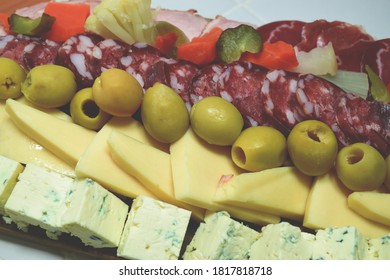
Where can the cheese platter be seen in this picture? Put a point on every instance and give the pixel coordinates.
(91, 160)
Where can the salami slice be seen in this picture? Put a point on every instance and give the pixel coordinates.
(278, 95)
(205, 83)
(368, 121)
(28, 51)
(316, 99)
(108, 53)
(377, 56)
(139, 60)
(240, 83)
(289, 31)
(79, 54)
(180, 75)
(349, 41)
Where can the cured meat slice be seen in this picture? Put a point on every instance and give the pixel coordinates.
(79, 54)
(139, 60)
(156, 73)
(278, 95)
(377, 56)
(205, 83)
(349, 41)
(316, 99)
(108, 54)
(28, 51)
(179, 76)
(240, 83)
(289, 31)
(368, 121)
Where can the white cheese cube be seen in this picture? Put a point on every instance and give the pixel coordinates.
(94, 215)
(282, 241)
(38, 199)
(154, 230)
(220, 238)
(378, 248)
(9, 172)
(339, 243)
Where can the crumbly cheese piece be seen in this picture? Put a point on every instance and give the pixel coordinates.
(339, 243)
(220, 238)
(154, 230)
(94, 215)
(282, 241)
(38, 199)
(378, 248)
(9, 172)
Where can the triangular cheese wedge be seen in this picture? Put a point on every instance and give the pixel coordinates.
(65, 139)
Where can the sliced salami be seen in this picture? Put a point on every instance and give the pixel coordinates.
(316, 99)
(28, 51)
(108, 53)
(79, 54)
(349, 41)
(205, 83)
(289, 31)
(240, 83)
(179, 76)
(139, 60)
(368, 121)
(278, 95)
(377, 56)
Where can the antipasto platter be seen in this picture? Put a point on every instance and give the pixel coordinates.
(305, 25)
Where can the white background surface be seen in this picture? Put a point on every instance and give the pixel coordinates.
(373, 15)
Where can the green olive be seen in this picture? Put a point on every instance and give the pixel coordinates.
(164, 114)
(11, 77)
(49, 86)
(258, 148)
(387, 181)
(361, 167)
(312, 147)
(85, 112)
(117, 93)
(216, 121)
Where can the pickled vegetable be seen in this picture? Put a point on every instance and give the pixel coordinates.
(11, 77)
(235, 41)
(32, 27)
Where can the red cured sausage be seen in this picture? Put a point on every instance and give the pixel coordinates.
(205, 83)
(79, 54)
(28, 51)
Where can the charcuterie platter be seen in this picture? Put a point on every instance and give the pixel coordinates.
(203, 172)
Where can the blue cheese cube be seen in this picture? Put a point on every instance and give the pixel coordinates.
(94, 215)
(9, 172)
(339, 243)
(220, 238)
(38, 199)
(378, 248)
(154, 230)
(282, 241)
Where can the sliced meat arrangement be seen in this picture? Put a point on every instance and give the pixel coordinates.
(289, 31)
(377, 56)
(28, 51)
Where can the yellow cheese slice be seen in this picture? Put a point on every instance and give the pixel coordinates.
(65, 139)
(197, 169)
(374, 206)
(150, 166)
(327, 207)
(96, 163)
(16, 145)
(281, 191)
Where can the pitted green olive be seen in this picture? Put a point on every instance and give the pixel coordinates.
(117, 93)
(85, 112)
(361, 167)
(49, 86)
(258, 148)
(164, 114)
(11, 77)
(313, 147)
(216, 121)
